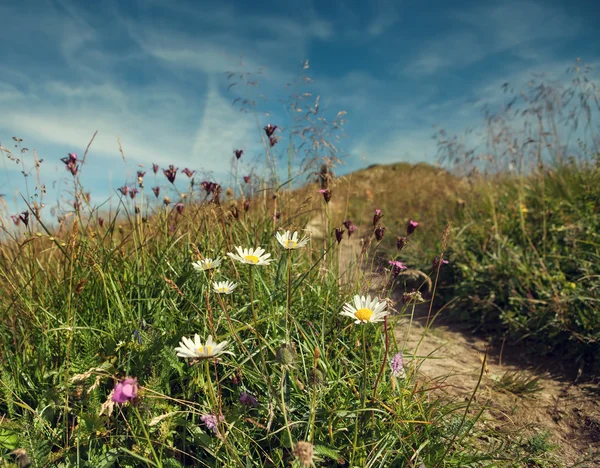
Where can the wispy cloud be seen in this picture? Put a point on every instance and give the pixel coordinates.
(485, 30)
(386, 16)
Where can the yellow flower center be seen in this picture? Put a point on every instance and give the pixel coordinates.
(251, 258)
(290, 244)
(222, 289)
(363, 314)
(205, 350)
(207, 265)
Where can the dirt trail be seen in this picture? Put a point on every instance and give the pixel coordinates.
(450, 358)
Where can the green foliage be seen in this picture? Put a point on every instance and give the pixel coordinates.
(525, 258)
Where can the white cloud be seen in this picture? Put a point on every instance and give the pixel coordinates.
(221, 130)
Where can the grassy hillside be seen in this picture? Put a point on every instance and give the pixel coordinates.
(522, 250)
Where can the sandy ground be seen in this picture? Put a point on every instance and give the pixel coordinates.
(569, 410)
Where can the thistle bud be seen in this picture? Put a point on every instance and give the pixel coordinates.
(286, 355)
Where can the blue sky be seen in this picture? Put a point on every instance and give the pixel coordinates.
(152, 74)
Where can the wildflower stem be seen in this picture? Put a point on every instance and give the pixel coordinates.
(147, 436)
(385, 330)
(373, 257)
(289, 296)
(284, 408)
(216, 403)
(235, 334)
(362, 393)
(313, 409)
(208, 307)
(364, 382)
(259, 339)
(251, 286)
(451, 445)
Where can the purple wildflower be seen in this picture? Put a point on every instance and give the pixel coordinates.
(238, 153)
(339, 234)
(155, 168)
(141, 174)
(326, 194)
(247, 179)
(71, 163)
(188, 173)
(411, 226)
(124, 190)
(24, 216)
(126, 390)
(376, 217)
(352, 229)
(179, 207)
(209, 187)
(379, 232)
(247, 399)
(270, 129)
(401, 242)
(101, 222)
(211, 421)
(156, 191)
(16, 219)
(246, 205)
(133, 192)
(171, 173)
(397, 365)
(273, 141)
(397, 267)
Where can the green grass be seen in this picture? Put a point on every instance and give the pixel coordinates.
(79, 317)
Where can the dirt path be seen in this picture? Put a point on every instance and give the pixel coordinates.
(568, 411)
(523, 397)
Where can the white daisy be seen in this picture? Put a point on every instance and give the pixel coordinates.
(365, 309)
(224, 287)
(251, 257)
(196, 350)
(207, 264)
(291, 242)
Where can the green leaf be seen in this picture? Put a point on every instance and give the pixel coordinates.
(8, 439)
